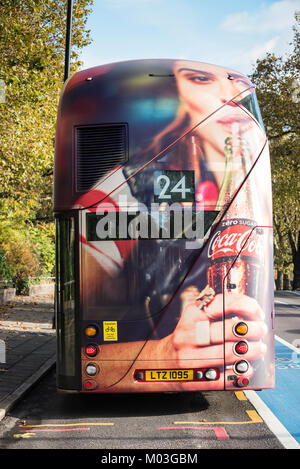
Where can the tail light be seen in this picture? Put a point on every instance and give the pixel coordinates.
(91, 350)
(242, 382)
(90, 384)
(241, 347)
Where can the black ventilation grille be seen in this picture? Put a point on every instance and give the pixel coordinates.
(99, 148)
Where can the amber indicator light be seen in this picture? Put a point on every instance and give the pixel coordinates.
(91, 331)
(241, 328)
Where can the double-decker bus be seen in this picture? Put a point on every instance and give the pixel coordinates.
(162, 199)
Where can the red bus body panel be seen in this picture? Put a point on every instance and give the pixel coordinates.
(164, 302)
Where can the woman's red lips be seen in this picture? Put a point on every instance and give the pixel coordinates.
(232, 119)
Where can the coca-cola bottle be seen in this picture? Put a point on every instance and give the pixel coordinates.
(234, 252)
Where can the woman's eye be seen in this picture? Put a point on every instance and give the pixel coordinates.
(199, 79)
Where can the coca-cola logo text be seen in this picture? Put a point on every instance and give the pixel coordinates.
(234, 240)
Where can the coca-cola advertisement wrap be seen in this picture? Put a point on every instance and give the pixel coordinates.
(175, 242)
(235, 253)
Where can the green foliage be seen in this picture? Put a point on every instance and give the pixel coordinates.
(278, 80)
(32, 47)
(27, 251)
(42, 237)
(5, 275)
(20, 257)
(32, 41)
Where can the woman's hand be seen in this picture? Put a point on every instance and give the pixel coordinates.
(200, 332)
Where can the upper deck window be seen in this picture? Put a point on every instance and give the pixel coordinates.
(251, 104)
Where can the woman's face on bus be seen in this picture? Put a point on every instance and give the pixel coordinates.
(204, 90)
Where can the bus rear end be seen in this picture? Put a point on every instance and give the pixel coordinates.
(162, 200)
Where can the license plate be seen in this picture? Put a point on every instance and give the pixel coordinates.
(169, 375)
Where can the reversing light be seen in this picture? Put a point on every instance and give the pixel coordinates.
(91, 331)
(210, 374)
(242, 366)
(91, 350)
(241, 328)
(241, 347)
(91, 370)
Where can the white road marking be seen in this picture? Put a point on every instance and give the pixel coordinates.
(272, 422)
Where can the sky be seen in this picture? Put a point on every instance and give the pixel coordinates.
(231, 33)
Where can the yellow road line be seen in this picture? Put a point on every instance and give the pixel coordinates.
(68, 424)
(255, 418)
(252, 414)
(240, 395)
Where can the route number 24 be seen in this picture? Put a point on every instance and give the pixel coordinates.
(174, 186)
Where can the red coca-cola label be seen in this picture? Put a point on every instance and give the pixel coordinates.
(235, 237)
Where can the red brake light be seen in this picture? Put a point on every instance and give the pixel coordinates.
(241, 347)
(242, 382)
(91, 350)
(90, 384)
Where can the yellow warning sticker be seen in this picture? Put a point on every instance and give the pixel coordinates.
(110, 330)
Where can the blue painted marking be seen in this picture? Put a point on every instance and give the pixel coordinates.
(284, 399)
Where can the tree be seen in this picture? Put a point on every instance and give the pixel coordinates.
(32, 44)
(277, 80)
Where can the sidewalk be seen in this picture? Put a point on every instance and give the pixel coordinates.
(27, 346)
